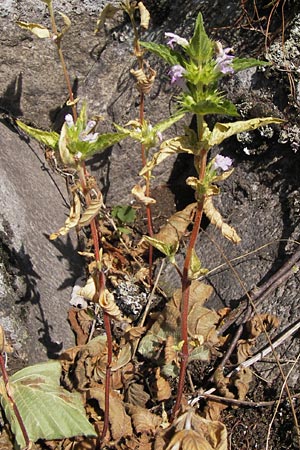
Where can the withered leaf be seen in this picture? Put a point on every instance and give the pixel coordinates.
(139, 193)
(71, 221)
(257, 324)
(90, 213)
(145, 15)
(216, 219)
(188, 440)
(162, 386)
(120, 423)
(143, 420)
(136, 395)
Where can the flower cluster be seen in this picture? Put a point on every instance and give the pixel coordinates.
(224, 60)
(222, 162)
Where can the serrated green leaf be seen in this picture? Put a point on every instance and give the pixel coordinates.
(47, 410)
(103, 142)
(170, 56)
(217, 106)
(167, 123)
(38, 30)
(201, 47)
(222, 131)
(167, 249)
(245, 63)
(48, 138)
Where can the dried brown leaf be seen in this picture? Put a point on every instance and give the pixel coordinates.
(91, 212)
(145, 15)
(222, 384)
(89, 290)
(136, 395)
(188, 440)
(143, 420)
(256, 325)
(242, 382)
(71, 221)
(108, 304)
(212, 410)
(138, 192)
(134, 333)
(175, 228)
(144, 80)
(162, 386)
(170, 352)
(216, 219)
(120, 423)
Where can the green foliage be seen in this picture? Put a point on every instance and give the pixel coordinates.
(201, 47)
(168, 250)
(239, 64)
(47, 410)
(170, 56)
(124, 213)
(48, 138)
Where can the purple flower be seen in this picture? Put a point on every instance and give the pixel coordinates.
(222, 162)
(177, 39)
(69, 120)
(176, 73)
(91, 137)
(224, 60)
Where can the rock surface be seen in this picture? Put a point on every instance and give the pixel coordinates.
(261, 199)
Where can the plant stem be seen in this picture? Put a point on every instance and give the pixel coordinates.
(200, 164)
(14, 406)
(62, 61)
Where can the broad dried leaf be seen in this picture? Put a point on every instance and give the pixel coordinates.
(64, 152)
(91, 212)
(124, 357)
(139, 193)
(143, 420)
(71, 221)
(38, 30)
(216, 219)
(176, 226)
(188, 440)
(41, 400)
(163, 388)
(242, 382)
(257, 324)
(134, 333)
(144, 80)
(108, 12)
(120, 423)
(89, 290)
(145, 15)
(212, 410)
(222, 131)
(108, 304)
(174, 146)
(170, 352)
(136, 395)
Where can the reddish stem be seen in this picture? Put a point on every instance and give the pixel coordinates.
(14, 406)
(186, 283)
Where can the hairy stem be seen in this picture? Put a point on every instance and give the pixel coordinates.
(200, 164)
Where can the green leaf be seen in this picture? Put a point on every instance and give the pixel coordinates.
(201, 47)
(48, 138)
(38, 30)
(213, 106)
(170, 56)
(167, 249)
(222, 131)
(167, 123)
(245, 63)
(47, 410)
(125, 214)
(200, 353)
(103, 142)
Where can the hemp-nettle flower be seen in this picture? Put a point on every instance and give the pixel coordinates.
(69, 120)
(91, 137)
(176, 73)
(224, 60)
(90, 126)
(177, 39)
(222, 162)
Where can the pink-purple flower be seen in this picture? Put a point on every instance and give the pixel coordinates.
(176, 73)
(222, 162)
(224, 59)
(174, 38)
